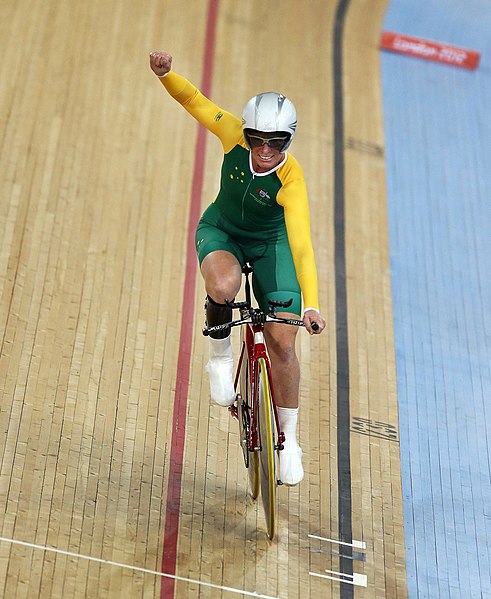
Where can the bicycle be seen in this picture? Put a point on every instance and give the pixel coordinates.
(255, 405)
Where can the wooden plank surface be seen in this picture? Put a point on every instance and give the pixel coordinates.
(97, 168)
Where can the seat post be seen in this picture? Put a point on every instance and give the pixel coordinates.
(247, 269)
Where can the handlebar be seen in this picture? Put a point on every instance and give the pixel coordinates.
(273, 304)
(256, 316)
(249, 319)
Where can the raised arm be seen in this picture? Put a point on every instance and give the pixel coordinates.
(221, 123)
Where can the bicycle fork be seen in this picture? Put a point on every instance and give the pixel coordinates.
(251, 350)
(260, 352)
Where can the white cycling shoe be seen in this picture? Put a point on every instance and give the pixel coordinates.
(290, 457)
(220, 369)
(220, 372)
(291, 469)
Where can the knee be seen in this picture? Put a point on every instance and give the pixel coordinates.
(222, 274)
(222, 288)
(283, 348)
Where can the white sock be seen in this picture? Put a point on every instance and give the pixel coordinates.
(288, 423)
(220, 348)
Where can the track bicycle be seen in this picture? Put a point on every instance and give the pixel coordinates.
(261, 438)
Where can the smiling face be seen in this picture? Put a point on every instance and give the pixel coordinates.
(265, 158)
(266, 149)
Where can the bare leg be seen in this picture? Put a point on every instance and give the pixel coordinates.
(285, 370)
(222, 274)
(285, 367)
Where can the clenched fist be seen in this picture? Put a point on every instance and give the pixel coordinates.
(160, 63)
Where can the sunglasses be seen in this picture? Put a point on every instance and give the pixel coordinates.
(275, 143)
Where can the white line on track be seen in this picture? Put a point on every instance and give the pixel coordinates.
(356, 544)
(135, 568)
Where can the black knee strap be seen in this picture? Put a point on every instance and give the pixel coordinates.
(217, 314)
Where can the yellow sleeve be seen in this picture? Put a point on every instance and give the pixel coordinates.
(223, 124)
(293, 198)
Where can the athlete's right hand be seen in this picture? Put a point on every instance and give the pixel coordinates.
(160, 63)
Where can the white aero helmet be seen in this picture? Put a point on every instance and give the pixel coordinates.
(270, 113)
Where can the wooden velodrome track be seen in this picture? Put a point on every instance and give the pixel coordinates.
(118, 478)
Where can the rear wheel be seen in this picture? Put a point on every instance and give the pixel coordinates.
(267, 454)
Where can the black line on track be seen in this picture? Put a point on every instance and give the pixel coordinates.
(342, 347)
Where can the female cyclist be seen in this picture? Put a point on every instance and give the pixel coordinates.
(260, 215)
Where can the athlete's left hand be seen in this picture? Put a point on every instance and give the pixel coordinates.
(309, 318)
(160, 62)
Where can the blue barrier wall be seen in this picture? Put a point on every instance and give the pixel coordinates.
(437, 121)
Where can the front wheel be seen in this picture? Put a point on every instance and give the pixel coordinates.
(267, 462)
(244, 402)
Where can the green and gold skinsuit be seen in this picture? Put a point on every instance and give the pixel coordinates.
(261, 218)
